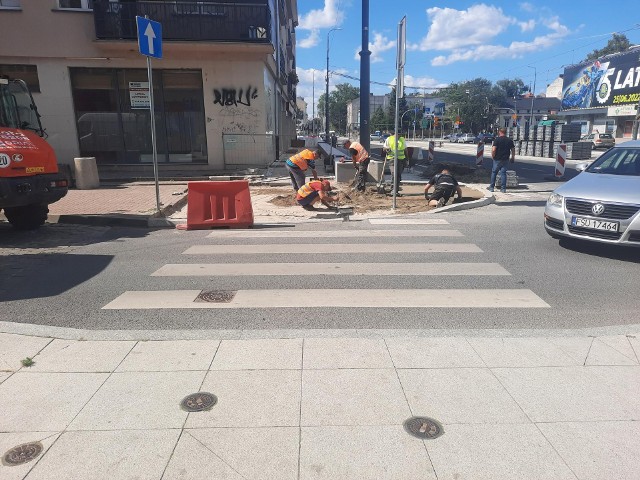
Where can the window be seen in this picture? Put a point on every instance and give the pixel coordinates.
(28, 73)
(9, 3)
(76, 4)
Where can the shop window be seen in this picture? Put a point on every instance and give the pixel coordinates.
(9, 3)
(28, 73)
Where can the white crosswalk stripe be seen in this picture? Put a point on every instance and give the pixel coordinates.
(296, 269)
(343, 298)
(332, 233)
(426, 243)
(334, 248)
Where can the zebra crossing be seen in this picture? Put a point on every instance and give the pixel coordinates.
(429, 239)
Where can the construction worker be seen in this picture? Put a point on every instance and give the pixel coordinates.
(298, 166)
(314, 191)
(445, 185)
(389, 148)
(360, 159)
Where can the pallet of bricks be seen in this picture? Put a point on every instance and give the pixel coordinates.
(570, 135)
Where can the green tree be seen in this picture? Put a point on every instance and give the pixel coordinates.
(378, 120)
(512, 88)
(474, 102)
(338, 100)
(402, 108)
(616, 44)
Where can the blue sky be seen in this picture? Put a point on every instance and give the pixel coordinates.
(456, 41)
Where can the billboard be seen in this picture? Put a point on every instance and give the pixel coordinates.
(607, 82)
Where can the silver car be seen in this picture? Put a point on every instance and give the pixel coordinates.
(602, 203)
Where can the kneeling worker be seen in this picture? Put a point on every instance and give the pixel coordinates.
(298, 164)
(314, 191)
(445, 185)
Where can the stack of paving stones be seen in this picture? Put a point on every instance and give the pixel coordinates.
(512, 180)
(567, 133)
(575, 150)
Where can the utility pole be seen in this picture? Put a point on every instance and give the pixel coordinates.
(535, 73)
(365, 87)
(326, 99)
(313, 107)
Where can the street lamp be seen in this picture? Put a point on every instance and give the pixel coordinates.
(326, 98)
(535, 73)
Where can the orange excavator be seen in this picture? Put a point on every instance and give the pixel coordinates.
(30, 178)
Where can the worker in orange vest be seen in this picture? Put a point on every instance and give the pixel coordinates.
(360, 159)
(298, 166)
(316, 191)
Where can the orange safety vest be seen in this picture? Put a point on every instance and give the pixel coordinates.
(302, 159)
(307, 189)
(362, 153)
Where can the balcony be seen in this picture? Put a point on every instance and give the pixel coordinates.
(186, 21)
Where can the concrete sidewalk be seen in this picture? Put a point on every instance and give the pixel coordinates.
(322, 408)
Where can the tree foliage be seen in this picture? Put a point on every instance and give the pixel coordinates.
(616, 44)
(512, 88)
(402, 108)
(474, 102)
(338, 100)
(379, 120)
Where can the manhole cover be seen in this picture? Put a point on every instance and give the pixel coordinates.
(198, 402)
(423, 427)
(22, 454)
(216, 296)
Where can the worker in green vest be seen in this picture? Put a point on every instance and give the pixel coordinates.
(389, 149)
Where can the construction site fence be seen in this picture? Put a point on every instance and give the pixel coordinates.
(248, 150)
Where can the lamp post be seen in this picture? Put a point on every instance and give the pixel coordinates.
(326, 98)
(533, 96)
(313, 106)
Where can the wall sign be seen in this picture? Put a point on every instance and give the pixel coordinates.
(139, 95)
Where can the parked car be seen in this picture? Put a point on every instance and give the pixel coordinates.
(600, 140)
(486, 138)
(467, 138)
(601, 204)
(384, 136)
(454, 137)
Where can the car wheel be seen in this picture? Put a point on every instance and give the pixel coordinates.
(593, 146)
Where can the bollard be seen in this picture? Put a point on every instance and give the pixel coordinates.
(86, 172)
(561, 158)
(432, 146)
(480, 154)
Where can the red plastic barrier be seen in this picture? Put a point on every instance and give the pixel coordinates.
(218, 204)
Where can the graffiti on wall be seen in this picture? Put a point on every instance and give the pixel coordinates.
(228, 97)
(240, 120)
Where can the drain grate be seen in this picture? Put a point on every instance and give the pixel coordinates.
(22, 454)
(423, 427)
(198, 402)
(216, 296)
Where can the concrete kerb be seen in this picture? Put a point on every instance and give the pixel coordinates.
(488, 199)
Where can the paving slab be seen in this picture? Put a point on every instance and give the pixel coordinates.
(597, 450)
(170, 356)
(565, 394)
(463, 395)
(363, 453)
(45, 402)
(236, 453)
(11, 440)
(531, 352)
(251, 398)
(111, 455)
(496, 452)
(139, 400)
(268, 354)
(14, 348)
(433, 353)
(634, 340)
(337, 353)
(4, 376)
(352, 397)
(75, 356)
(611, 350)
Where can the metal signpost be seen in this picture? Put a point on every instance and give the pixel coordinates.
(400, 61)
(150, 45)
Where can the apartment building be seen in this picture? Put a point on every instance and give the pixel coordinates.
(224, 91)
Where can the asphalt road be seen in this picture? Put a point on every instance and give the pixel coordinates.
(63, 275)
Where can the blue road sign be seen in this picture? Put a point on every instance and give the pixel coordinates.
(149, 37)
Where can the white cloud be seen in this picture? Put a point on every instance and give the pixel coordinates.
(527, 26)
(306, 81)
(380, 44)
(527, 7)
(327, 17)
(451, 28)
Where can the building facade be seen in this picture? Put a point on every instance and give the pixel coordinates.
(353, 110)
(224, 90)
(518, 112)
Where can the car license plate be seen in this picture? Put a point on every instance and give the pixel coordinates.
(594, 224)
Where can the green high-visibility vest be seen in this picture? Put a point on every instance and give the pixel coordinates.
(392, 148)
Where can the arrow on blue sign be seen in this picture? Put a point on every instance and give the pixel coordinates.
(149, 37)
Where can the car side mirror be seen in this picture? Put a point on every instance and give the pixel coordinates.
(581, 167)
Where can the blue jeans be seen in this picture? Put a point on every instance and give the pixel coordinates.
(499, 166)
